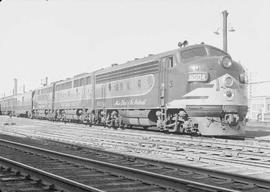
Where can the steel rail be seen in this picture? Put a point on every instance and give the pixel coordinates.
(221, 159)
(147, 173)
(199, 140)
(224, 159)
(176, 138)
(61, 182)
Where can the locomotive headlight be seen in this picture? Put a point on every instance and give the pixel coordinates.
(226, 62)
(228, 81)
(229, 93)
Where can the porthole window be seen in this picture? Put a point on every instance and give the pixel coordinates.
(88, 80)
(139, 83)
(109, 86)
(170, 62)
(149, 81)
(116, 86)
(121, 86)
(128, 85)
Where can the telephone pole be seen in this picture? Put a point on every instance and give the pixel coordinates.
(225, 30)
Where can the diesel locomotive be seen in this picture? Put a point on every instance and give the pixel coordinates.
(194, 89)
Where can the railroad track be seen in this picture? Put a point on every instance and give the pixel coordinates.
(113, 172)
(245, 159)
(11, 180)
(216, 147)
(248, 144)
(77, 174)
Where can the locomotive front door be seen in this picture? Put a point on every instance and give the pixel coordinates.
(93, 93)
(103, 93)
(163, 86)
(53, 97)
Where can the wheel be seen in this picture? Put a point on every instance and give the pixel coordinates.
(145, 127)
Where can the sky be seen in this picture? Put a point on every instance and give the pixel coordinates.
(61, 38)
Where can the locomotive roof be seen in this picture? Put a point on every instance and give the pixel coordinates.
(149, 58)
(135, 62)
(7, 97)
(14, 96)
(82, 75)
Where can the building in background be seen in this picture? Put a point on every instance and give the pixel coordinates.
(259, 108)
(258, 98)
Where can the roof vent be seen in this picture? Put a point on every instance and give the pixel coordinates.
(114, 64)
(136, 58)
(79, 75)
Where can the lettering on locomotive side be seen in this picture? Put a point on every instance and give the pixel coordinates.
(100, 104)
(130, 102)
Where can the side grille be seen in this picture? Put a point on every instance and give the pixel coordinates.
(143, 69)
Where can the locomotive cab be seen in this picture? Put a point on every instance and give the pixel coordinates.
(211, 90)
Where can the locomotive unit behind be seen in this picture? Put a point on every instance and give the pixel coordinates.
(194, 89)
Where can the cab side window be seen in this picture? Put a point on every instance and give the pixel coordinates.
(171, 62)
(215, 52)
(193, 53)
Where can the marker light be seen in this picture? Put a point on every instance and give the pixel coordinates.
(243, 78)
(226, 62)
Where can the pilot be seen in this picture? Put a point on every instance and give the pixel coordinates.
(108, 120)
(64, 119)
(114, 119)
(185, 121)
(159, 120)
(172, 122)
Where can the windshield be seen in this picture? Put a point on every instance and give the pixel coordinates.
(215, 52)
(194, 52)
